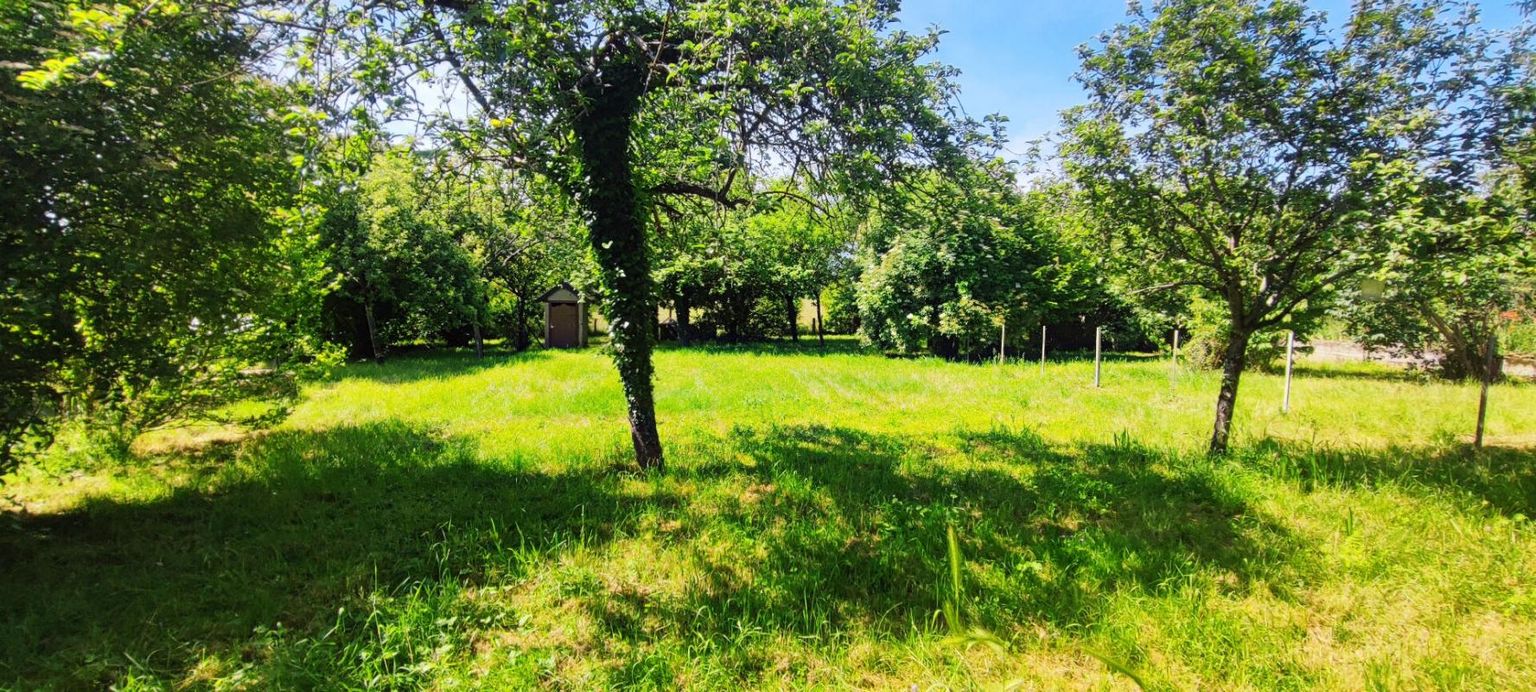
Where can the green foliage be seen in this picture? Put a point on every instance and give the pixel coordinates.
(950, 258)
(525, 239)
(1450, 281)
(1519, 337)
(840, 308)
(428, 252)
(1205, 338)
(744, 271)
(1460, 262)
(414, 259)
(158, 265)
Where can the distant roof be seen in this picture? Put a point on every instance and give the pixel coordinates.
(553, 294)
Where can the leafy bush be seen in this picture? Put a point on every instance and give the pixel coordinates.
(1520, 338)
(947, 261)
(840, 308)
(156, 255)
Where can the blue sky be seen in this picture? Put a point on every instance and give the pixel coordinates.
(1017, 57)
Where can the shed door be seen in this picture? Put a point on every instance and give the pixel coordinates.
(564, 323)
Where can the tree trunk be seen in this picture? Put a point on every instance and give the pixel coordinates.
(682, 318)
(1461, 358)
(617, 236)
(520, 329)
(373, 339)
(820, 339)
(479, 342)
(736, 311)
(1232, 363)
(794, 317)
(945, 347)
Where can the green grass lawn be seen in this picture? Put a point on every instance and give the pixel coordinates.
(449, 522)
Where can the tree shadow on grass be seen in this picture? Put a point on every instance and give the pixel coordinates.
(1364, 371)
(1502, 478)
(806, 346)
(284, 529)
(409, 367)
(848, 529)
(822, 533)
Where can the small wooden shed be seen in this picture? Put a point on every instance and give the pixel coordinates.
(565, 317)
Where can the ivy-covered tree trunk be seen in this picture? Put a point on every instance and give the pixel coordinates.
(1233, 361)
(602, 130)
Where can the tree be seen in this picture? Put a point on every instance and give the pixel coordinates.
(570, 89)
(747, 267)
(1459, 260)
(397, 245)
(1455, 267)
(1242, 149)
(526, 239)
(947, 259)
(432, 280)
(157, 264)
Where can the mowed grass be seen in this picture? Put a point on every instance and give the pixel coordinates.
(448, 522)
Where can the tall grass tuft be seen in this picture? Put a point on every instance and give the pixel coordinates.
(953, 603)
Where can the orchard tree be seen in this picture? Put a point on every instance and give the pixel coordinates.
(1460, 259)
(743, 263)
(1455, 267)
(431, 279)
(945, 260)
(1243, 149)
(394, 243)
(571, 89)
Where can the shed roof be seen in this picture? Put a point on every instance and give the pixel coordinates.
(561, 293)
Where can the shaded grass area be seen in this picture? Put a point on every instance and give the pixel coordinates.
(383, 541)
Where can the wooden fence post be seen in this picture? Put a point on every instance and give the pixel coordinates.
(1482, 399)
(1098, 335)
(1002, 343)
(1290, 358)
